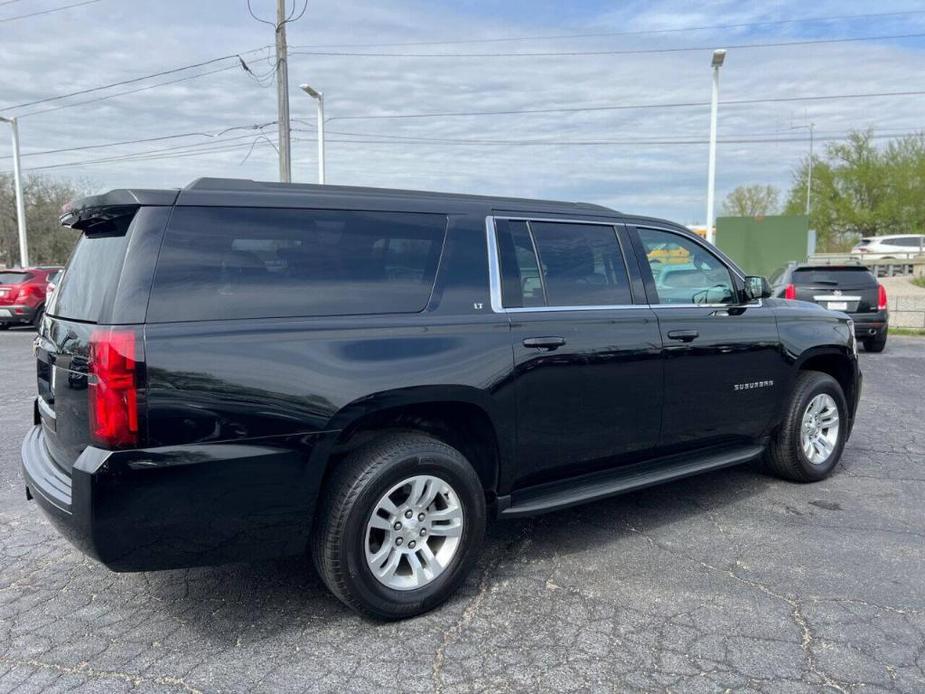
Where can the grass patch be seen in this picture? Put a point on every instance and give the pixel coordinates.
(917, 332)
(919, 281)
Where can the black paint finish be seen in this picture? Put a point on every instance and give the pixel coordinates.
(242, 419)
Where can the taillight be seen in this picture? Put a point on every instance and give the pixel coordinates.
(790, 293)
(881, 297)
(113, 388)
(25, 292)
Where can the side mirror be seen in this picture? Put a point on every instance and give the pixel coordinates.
(756, 288)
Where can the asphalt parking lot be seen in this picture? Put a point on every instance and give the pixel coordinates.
(728, 581)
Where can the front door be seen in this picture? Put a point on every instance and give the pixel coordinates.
(588, 369)
(724, 366)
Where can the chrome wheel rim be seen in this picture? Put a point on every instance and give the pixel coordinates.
(819, 429)
(413, 532)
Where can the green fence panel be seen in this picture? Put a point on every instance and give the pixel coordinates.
(760, 245)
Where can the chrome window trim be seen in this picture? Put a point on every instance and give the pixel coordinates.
(494, 267)
(494, 270)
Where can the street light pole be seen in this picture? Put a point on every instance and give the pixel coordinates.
(809, 177)
(319, 103)
(20, 202)
(719, 56)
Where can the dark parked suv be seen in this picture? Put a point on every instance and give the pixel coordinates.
(239, 370)
(851, 289)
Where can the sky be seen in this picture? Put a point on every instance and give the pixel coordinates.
(642, 69)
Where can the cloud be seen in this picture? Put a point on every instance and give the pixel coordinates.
(109, 41)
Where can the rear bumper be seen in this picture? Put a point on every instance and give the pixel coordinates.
(870, 324)
(17, 314)
(178, 506)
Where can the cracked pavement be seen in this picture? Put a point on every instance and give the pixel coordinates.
(727, 581)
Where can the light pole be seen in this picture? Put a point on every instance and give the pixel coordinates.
(319, 101)
(719, 55)
(20, 203)
(809, 177)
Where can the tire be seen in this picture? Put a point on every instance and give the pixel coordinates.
(785, 456)
(4, 326)
(342, 539)
(875, 344)
(37, 317)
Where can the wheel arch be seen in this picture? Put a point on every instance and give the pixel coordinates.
(461, 416)
(835, 361)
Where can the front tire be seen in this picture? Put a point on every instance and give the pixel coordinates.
(809, 442)
(400, 524)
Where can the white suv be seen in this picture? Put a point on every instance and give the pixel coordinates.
(885, 247)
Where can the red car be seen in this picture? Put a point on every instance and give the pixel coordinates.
(22, 295)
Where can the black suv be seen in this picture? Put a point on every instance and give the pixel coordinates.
(851, 289)
(239, 370)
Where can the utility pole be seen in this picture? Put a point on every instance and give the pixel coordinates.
(809, 177)
(20, 202)
(282, 93)
(719, 55)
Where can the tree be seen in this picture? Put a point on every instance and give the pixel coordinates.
(752, 201)
(860, 190)
(49, 242)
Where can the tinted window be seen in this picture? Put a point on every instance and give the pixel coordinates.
(835, 276)
(92, 275)
(582, 264)
(684, 271)
(221, 263)
(14, 277)
(520, 275)
(910, 241)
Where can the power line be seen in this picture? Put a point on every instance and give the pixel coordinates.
(160, 138)
(129, 91)
(627, 107)
(184, 151)
(49, 11)
(133, 80)
(604, 34)
(633, 51)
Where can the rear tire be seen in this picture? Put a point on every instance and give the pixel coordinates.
(875, 344)
(4, 326)
(807, 446)
(361, 526)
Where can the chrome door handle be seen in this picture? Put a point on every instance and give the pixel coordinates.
(683, 335)
(547, 343)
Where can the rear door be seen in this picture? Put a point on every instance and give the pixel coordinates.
(588, 374)
(106, 282)
(851, 289)
(724, 366)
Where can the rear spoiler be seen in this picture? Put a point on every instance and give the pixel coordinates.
(97, 213)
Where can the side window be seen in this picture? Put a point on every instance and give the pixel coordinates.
(582, 264)
(520, 275)
(684, 271)
(227, 263)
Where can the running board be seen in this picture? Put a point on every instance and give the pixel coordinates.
(554, 496)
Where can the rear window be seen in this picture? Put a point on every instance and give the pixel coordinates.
(92, 273)
(836, 276)
(14, 277)
(226, 263)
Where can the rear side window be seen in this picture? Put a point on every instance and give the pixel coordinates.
(835, 277)
(560, 264)
(226, 263)
(92, 273)
(14, 277)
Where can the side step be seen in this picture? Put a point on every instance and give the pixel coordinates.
(554, 496)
